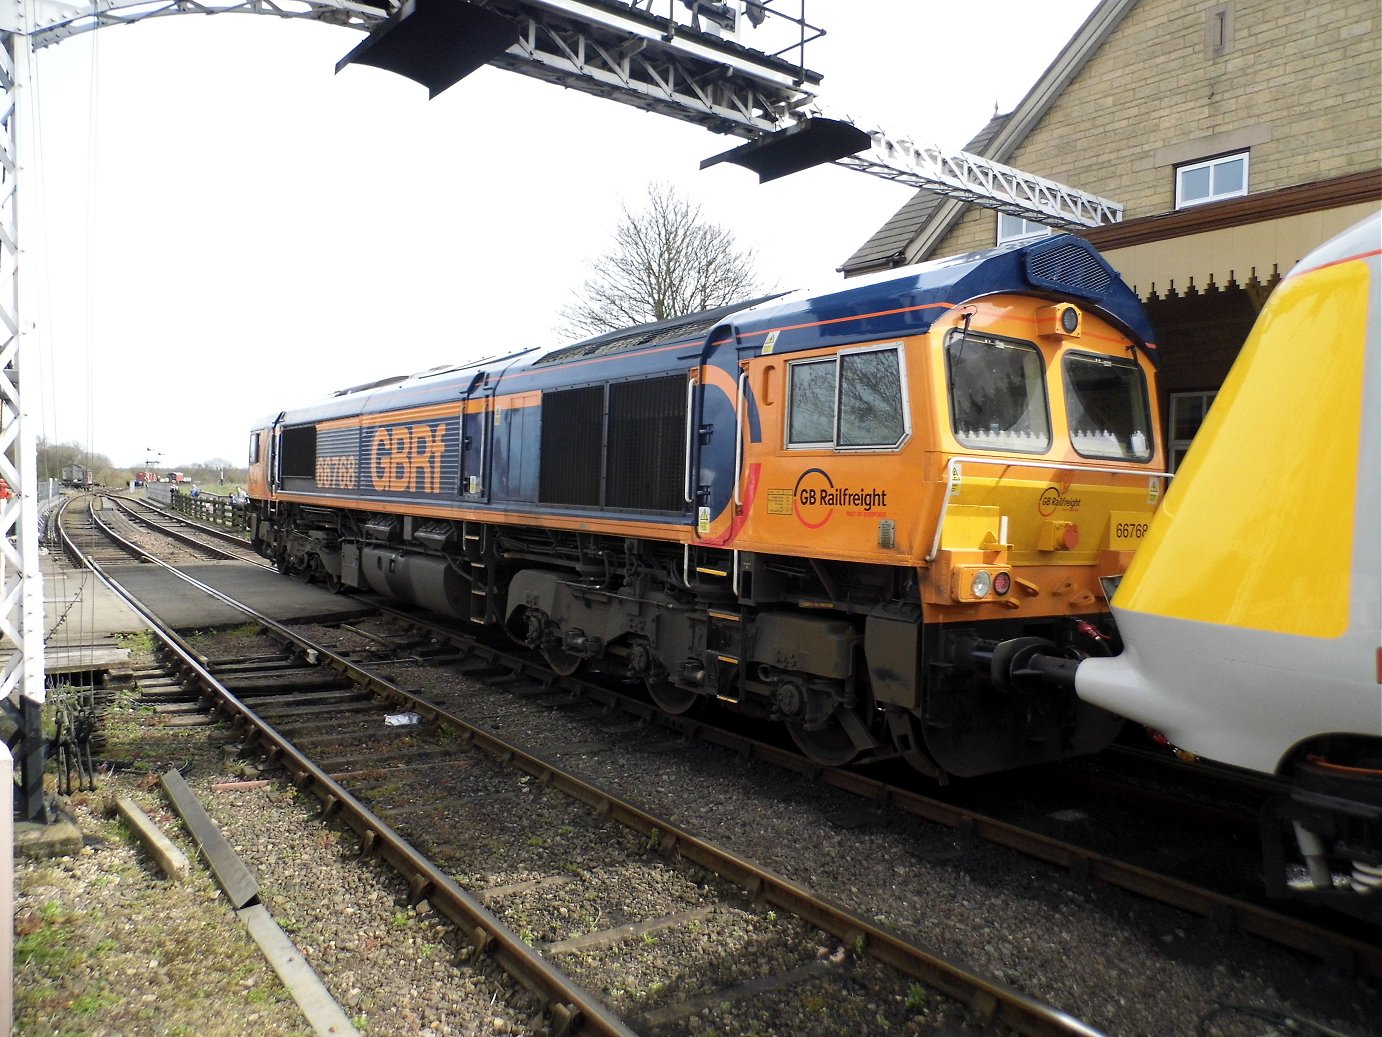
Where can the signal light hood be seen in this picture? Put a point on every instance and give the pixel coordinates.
(435, 42)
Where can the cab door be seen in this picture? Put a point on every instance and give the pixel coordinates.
(257, 479)
(477, 408)
(275, 448)
(717, 415)
(477, 436)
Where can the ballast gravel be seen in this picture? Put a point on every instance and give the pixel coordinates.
(1122, 965)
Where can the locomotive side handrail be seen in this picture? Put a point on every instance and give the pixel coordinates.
(952, 471)
(688, 491)
(739, 440)
(485, 418)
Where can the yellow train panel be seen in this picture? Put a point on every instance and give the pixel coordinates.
(1269, 543)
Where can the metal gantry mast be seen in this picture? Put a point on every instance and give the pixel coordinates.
(21, 582)
(736, 68)
(972, 178)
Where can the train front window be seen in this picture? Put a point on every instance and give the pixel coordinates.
(1107, 403)
(997, 393)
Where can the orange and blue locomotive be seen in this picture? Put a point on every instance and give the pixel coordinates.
(877, 514)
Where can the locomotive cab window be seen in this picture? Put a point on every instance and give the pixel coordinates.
(1107, 404)
(856, 400)
(997, 393)
(254, 448)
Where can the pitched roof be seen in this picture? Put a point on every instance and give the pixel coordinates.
(914, 231)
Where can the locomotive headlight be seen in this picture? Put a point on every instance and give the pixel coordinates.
(980, 583)
(1059, 321)
(1002, 583)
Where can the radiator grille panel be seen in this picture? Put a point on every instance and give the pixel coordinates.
(572, 427)
(647, 444)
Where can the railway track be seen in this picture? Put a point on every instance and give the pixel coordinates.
(326, 722)
(883, 792)
(141, 516)
(322, 723)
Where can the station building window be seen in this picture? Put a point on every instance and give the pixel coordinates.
(1187, 414)
(1212, 180)
(1012, 229)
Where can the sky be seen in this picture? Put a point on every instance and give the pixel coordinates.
(226, 228)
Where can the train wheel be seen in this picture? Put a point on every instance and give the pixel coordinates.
(676, 701)
(830, 746)
(562, 662)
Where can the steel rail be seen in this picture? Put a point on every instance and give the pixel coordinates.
(990, 1000)
(574, 1010)
(75, 553)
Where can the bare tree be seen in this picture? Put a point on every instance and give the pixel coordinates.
(54, 457)
(666, 261)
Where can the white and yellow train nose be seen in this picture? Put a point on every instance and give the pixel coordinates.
(1252, 613)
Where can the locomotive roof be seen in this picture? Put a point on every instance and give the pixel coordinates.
(892, 303)
(906, 301)
(895, 302)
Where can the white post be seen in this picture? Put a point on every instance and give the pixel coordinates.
(6, 890)
(21, 591)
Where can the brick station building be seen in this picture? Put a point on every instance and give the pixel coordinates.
(1238, 135)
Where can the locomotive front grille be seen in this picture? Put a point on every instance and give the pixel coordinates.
(1069, 265)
